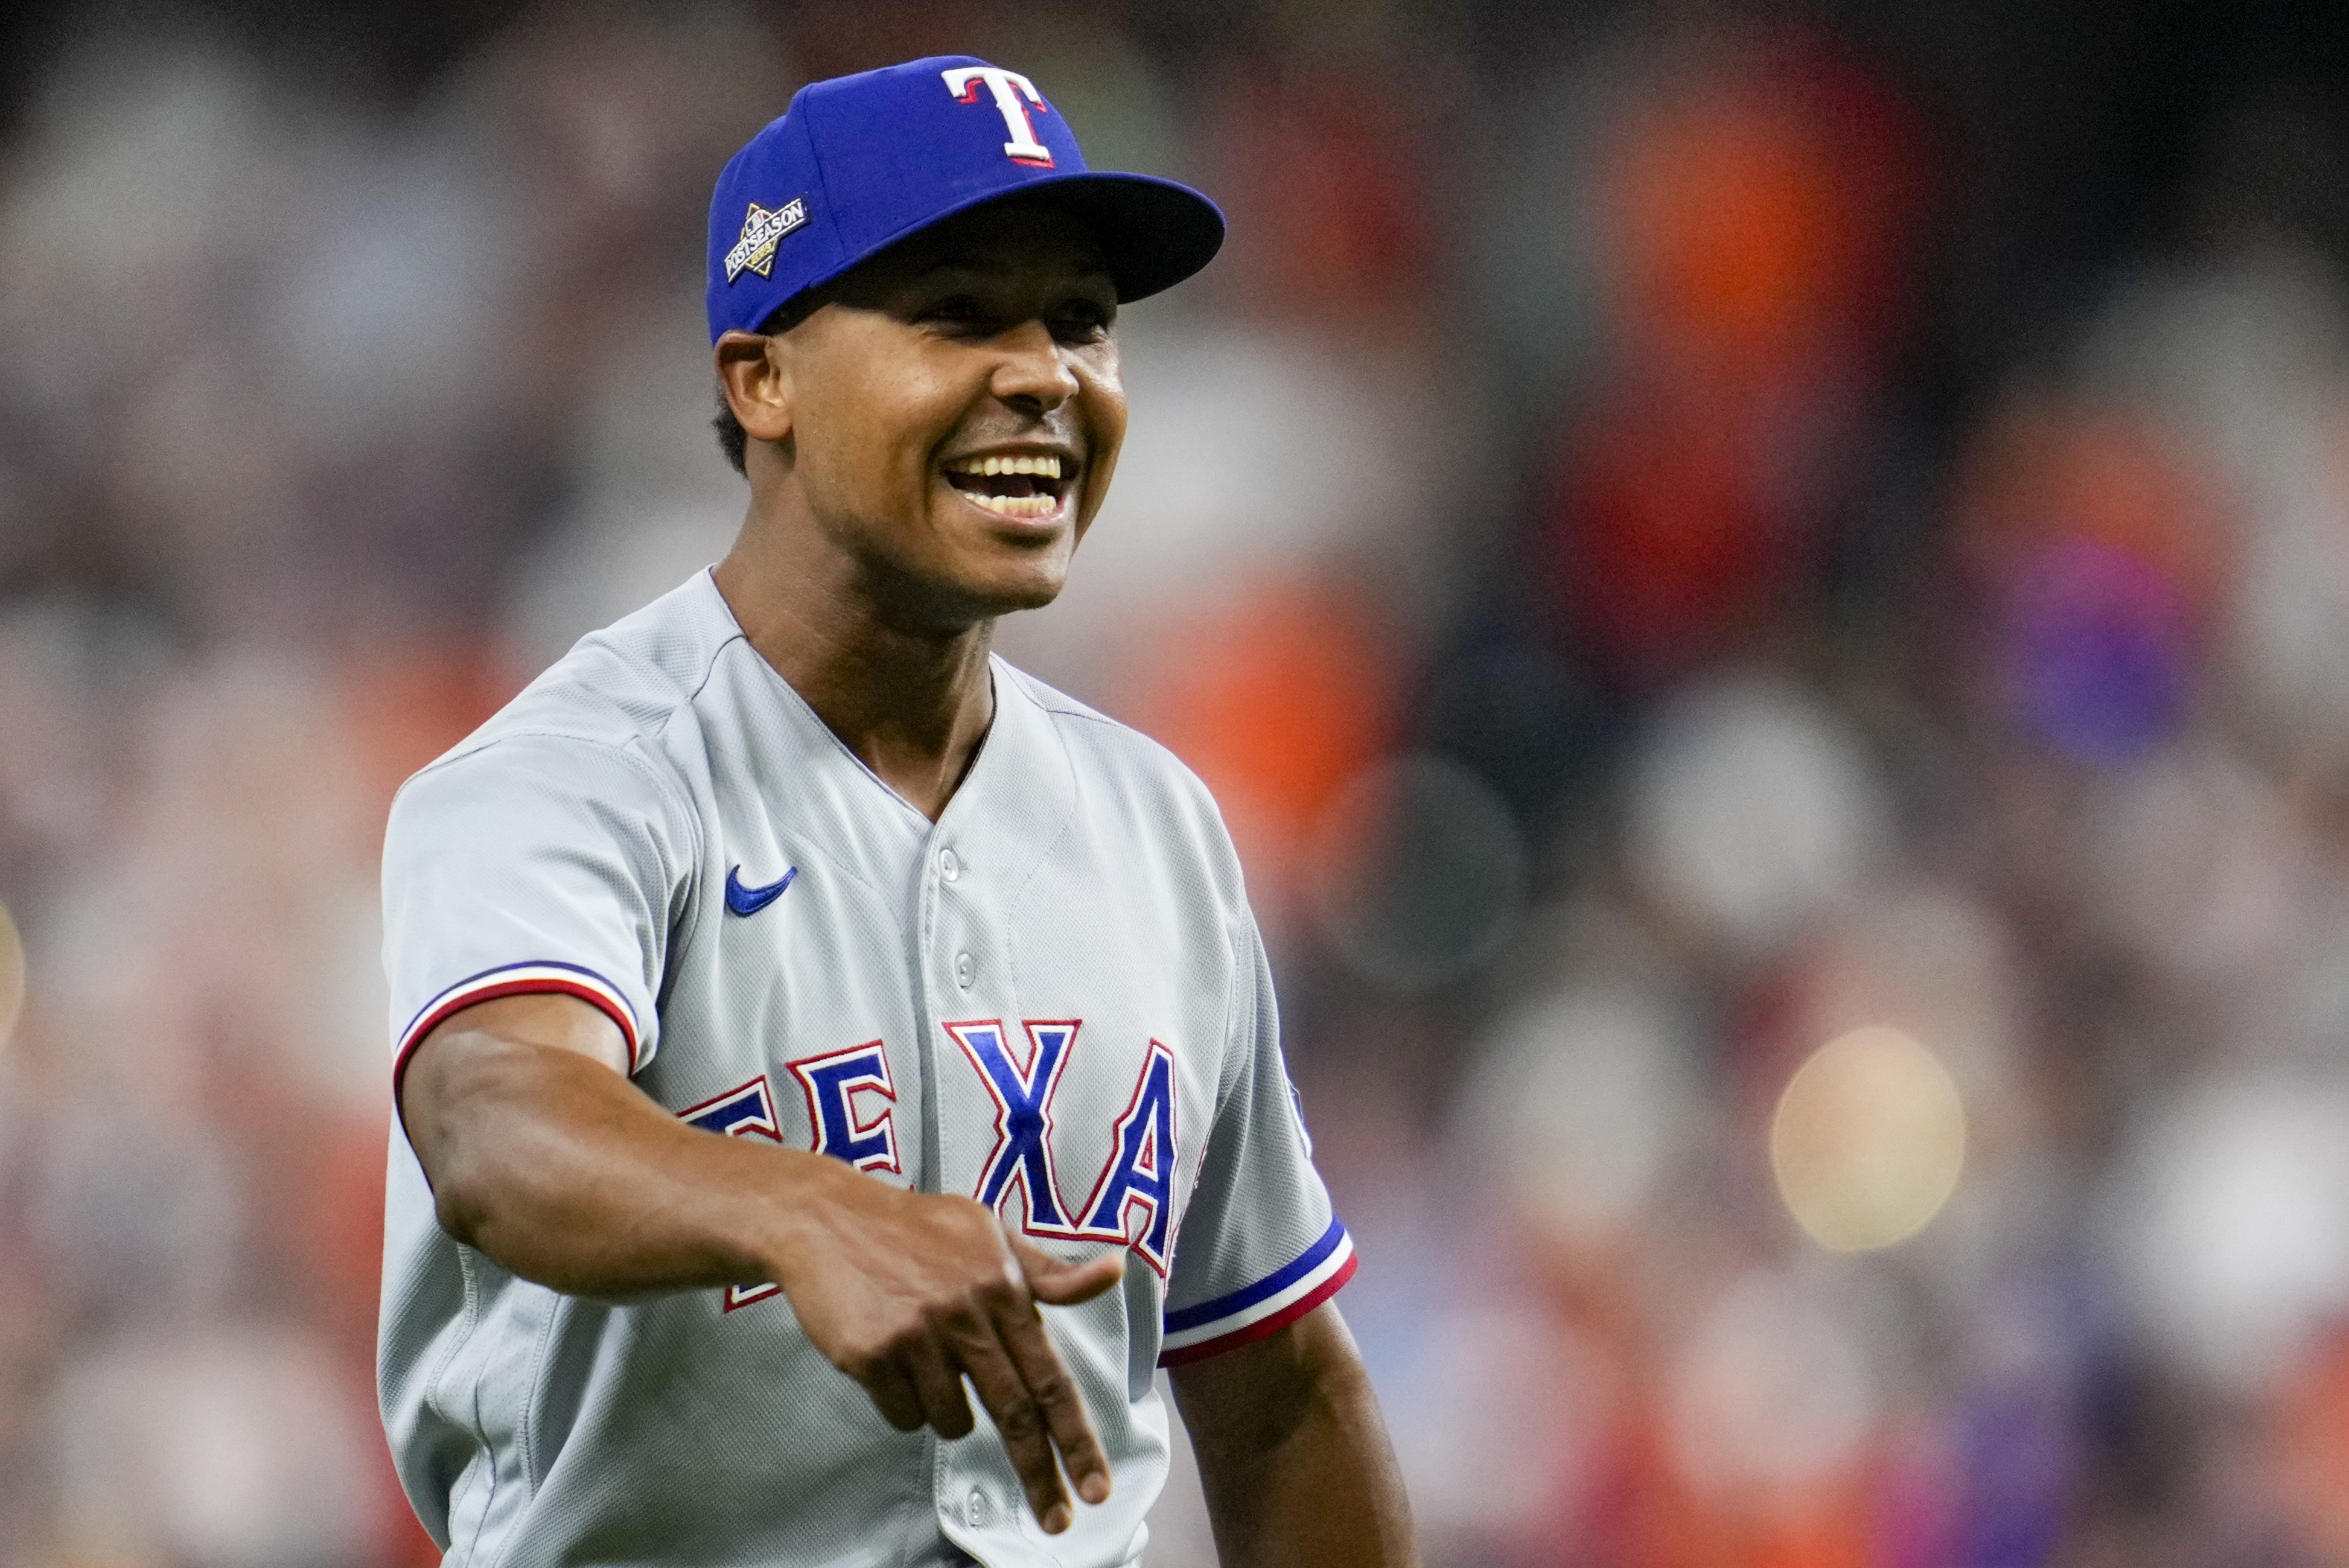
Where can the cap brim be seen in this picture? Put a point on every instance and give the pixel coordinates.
(1153, 231)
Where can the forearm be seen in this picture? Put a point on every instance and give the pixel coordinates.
(1328, 1496)
(563, 1173)
(1293, 1455)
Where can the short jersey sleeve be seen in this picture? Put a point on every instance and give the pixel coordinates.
(534, 863)
(1259, 1245)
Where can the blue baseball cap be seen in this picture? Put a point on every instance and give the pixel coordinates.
(859, 162)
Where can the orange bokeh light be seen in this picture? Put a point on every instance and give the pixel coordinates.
(1760, 214)
(1276, 697)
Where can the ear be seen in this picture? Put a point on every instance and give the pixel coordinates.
(757, 384)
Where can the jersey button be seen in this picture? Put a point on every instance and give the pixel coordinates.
(949, 865)
(980, 1511)
(965, 970)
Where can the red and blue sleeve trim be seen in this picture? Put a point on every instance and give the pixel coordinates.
(537, 978)
(1270, 1304)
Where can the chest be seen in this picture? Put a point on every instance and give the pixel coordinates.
(1031, 1015)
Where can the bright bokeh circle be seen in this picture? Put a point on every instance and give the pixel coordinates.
(1868, 1141)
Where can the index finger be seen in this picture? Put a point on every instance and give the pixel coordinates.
(1020, 1326)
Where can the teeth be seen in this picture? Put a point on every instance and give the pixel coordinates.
(1024, 506)
(1045, 466)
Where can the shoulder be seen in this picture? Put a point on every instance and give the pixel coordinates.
(594, 720)
(1126, 774)
(624, 684)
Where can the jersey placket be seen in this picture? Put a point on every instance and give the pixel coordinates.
(948, 971)
(975, 861)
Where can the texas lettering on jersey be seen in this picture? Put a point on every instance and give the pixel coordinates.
(1132, 1202)
(748, 1111)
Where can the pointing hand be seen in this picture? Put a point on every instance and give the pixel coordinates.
(910, 1294)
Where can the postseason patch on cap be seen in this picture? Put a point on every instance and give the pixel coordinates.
(762, 230)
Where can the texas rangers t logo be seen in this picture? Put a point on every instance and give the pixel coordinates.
(1023, 148)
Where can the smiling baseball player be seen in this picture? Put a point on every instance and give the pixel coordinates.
(794, 995)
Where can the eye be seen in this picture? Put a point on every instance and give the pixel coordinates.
(957, 311)
(1082, 321)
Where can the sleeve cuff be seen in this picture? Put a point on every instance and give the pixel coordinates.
(518, 980)
(1270, 1304)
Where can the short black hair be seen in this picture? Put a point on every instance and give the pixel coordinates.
(732, 439)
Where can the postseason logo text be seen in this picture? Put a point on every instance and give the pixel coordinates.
(762, 229)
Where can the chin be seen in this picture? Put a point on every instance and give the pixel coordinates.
(953, 601)
(1030, 593)
(1015, 579)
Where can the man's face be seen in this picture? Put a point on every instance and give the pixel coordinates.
(956, 410)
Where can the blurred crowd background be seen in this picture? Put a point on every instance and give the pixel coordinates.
(1764, 588)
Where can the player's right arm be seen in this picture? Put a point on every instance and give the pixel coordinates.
(542, 1155)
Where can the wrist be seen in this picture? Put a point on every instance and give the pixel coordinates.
(799, 1207)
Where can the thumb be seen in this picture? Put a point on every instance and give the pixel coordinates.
(1058, 1284)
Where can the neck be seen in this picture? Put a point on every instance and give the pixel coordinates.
(913, 702)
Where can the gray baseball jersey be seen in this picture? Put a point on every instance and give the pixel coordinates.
(1055, 999)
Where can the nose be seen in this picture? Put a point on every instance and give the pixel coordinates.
(1033, 374)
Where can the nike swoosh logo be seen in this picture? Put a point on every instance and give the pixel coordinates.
(742, 900)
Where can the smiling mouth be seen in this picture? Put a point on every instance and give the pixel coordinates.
(1025, 485)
